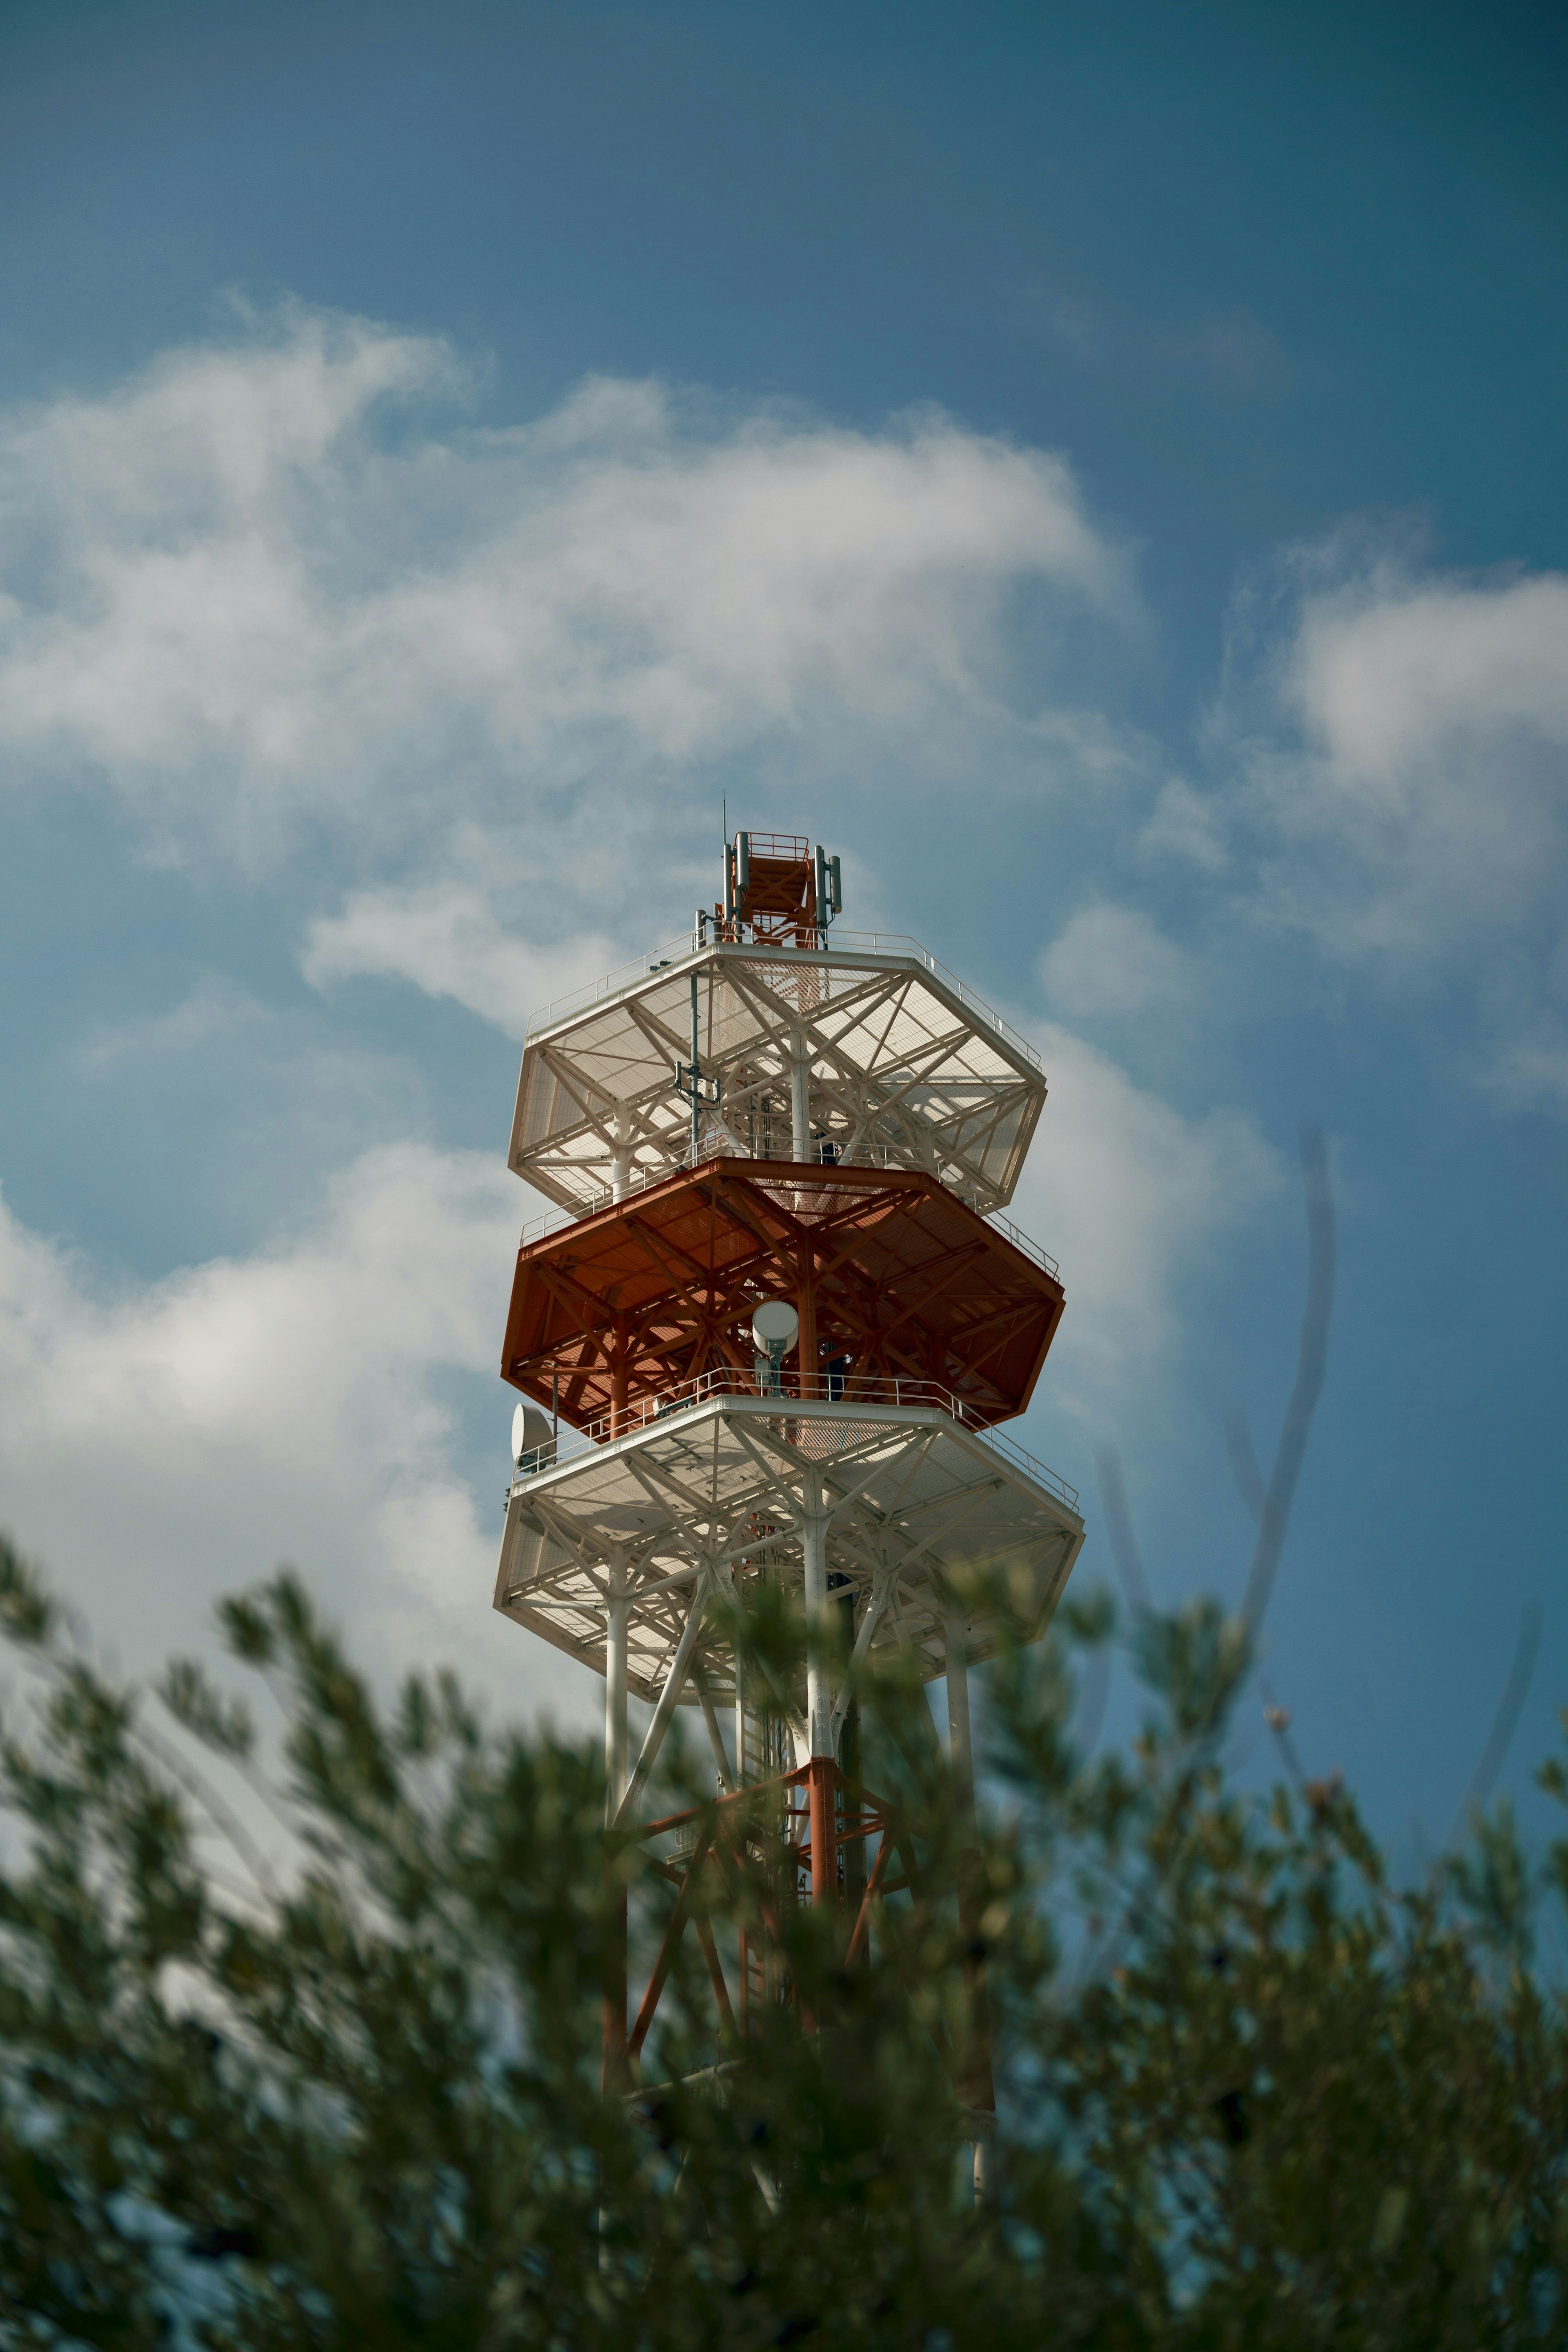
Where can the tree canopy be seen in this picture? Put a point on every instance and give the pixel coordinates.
(300, 2034)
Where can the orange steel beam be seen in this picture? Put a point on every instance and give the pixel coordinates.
(721, 1838)
(780, 896)
(715, 1971)
(666, 1949)
(824, 1826)
(874, 1885)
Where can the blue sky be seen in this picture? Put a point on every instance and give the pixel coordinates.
(1100, 468)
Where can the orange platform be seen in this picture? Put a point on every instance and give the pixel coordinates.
(891, 1273)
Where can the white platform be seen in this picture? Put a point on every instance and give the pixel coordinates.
(905, 1068)
(921, 1515)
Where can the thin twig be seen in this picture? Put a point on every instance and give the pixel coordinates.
(1310, 1367)
(1119, 1528)
(1505, 1722)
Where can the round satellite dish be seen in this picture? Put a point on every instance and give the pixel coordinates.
(529, 1431)
(775, 1326)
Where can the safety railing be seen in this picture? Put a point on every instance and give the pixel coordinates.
(597, 991)
(784, 1390)
(898, 943)
(1021, 1241)
(556, 1219)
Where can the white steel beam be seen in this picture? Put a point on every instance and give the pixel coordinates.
(653, 1738)
(814, 1548)
(615, 1685)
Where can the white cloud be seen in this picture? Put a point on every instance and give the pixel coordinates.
(1187, 824)
(1110, 960)
(1392, 673)
(448, 938)
(1134, 1199)
(216, 1007)
(1404, 739)
(229, 594)
(174, 1441)
(1393, 749)
(476, 675)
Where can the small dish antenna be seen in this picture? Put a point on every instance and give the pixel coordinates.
(532, 1442)
(775, 1326)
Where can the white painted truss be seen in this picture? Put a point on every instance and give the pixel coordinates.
(929, 1529)
(871, 1057)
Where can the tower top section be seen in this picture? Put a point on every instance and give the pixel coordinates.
(770, 1033)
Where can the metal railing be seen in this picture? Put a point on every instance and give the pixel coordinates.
(898, 943)
(830, 1388)
(556, 1219)
(1021, 1241)
(901, 943)
(596, 991)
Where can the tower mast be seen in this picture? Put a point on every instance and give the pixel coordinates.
(782, 1317)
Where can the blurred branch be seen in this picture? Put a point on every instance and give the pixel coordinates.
(1119, 1528)
(1311, 1366)
(1277, 1718)
(1243, 1463)
(1093, 1692)
(1505, 1722)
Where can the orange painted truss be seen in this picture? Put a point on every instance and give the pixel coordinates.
(891, 1273)
(783, 1840)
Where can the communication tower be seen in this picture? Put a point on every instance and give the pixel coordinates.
(770, 1330)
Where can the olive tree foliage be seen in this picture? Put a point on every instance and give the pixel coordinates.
(300, 2034)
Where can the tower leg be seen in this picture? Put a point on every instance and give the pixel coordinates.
(824, 1769)
(814, 1546)
(674, 1684)
(743, 2009)
(974, 2086)
(615, 2033)
(621, 1154)
(618, 1384)
(615, 1687)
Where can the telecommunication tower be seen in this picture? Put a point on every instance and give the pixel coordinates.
(770, 1330)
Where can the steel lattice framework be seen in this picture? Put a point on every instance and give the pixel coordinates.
(918, 1510)
(902, 1068)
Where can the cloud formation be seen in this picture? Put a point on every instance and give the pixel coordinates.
(1134, 1198)
(274, 599)
(259, 591)
(1111, 961)
(167, 1442)
(1392, 750)
(1417, 766)
(448, 939)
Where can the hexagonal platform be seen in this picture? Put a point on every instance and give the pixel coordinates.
(903, 1067)
(894, 1276)
(921, 1511)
